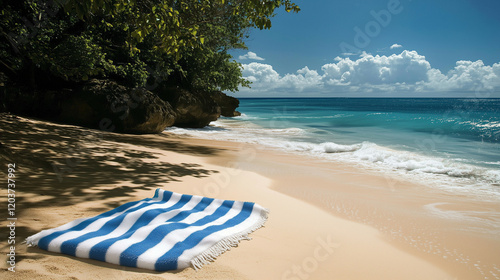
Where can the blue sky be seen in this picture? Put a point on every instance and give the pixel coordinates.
(343, 48)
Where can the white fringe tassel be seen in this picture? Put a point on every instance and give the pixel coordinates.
(227, 243)
(30, 241)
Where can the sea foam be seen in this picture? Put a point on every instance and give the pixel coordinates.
(426, 168)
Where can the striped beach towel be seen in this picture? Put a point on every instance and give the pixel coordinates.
(167, 232)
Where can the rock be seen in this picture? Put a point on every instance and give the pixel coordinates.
(104, 104)
(107, 105)
(194, 109)
(228, 104)
(23, 100)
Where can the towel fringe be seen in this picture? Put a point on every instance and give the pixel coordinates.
(30, 241)
(226, 244)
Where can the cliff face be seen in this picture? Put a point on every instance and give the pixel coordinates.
(197, 108)
(228, 104)
(193, 109)
(104, 104)
(101, 102)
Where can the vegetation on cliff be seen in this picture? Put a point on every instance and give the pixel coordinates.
(138, 43)
(134, 66)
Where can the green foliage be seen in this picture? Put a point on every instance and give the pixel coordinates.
(178, 24)
(76, 58)
(135, 42)
(212, 71)
(134, 74)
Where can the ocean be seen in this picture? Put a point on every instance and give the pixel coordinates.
(450, 144)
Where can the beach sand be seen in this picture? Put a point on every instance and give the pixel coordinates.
(327, 220)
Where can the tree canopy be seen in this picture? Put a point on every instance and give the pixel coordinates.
(135, 42)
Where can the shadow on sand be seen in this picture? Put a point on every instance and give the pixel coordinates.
(69, 164)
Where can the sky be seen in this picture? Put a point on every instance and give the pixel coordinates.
(372, 48)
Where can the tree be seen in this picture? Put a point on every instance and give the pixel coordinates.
(136, 42)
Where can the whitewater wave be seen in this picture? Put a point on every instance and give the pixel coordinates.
(410, 162)
(317, 149)
(289, 131)
(246, 117)
(438, 170)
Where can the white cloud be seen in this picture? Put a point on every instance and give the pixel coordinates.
(404, 72)
(467, 76)
(264, 77)
(407, 67)
(349, 54)
(395, 46)
(304, 79)
(250, 55)
(261, 75)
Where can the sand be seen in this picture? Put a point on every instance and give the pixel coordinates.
(327, 221)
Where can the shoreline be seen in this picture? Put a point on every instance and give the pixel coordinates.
(406, 164)
(121, 168)
(450, 230)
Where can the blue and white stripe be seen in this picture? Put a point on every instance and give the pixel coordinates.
(167, 232)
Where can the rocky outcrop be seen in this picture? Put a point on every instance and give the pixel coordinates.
(227, 104)
(101, 104)
(192, 108)
(108, 105)
(105, 104)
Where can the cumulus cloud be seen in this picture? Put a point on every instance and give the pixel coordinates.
(261, 75)
(407, 71)
(349, 54)
(407, 67)
(395, 46)
(467, 76)
(250, 55)
(264, 77)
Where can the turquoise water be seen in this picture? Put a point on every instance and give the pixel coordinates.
(451, 141)
(468, 129)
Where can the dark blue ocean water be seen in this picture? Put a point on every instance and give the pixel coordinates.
(453, 140)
